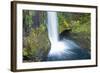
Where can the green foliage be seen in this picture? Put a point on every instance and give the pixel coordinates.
(63, 22)
(78, 22)
(32, 19)
(37, 44)
(82, 24)
(27, 17)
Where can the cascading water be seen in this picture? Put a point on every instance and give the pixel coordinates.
(52, 26)
(56, 45)
(61, 49)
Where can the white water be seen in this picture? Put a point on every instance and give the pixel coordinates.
(52, 26)
(56, 46)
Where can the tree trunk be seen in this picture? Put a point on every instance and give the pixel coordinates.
(36, 20)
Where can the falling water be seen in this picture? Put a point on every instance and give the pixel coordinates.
(56, 45)
(52, 27)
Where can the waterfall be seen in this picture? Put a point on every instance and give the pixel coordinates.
(52, 26)
(56, 45)
(65, 49)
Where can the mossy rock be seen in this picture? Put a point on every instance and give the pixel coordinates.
(36, 45)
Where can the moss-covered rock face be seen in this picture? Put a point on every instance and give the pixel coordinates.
(36, 45)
